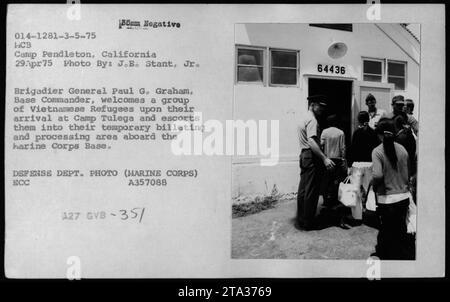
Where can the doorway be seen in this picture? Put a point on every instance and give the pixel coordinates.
(339, 95)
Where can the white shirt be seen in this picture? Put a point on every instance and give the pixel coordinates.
(393, 198)
(333, 142)
(375, 117)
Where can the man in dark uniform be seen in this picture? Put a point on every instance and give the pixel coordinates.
(312, 164)
(398, 103)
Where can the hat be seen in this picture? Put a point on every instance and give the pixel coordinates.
(398, 98)
(319, 98)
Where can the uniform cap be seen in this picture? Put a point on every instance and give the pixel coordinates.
(318, 98)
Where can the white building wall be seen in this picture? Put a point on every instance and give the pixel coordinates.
(289, 104)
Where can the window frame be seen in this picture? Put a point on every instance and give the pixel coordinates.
(405, 64)
(270, 67)
(264, 62)
(383, 69)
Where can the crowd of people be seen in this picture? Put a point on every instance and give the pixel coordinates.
(387, 142)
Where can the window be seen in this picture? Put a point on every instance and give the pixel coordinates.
(263, 65)
(397, 74)
(250, 64)
(372, 70)
(337, 26)
(284, 67)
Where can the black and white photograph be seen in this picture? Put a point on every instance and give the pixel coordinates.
(224, 141)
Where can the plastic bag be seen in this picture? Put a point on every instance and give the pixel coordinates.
(348, 193)
(411, 217)
(371, 201)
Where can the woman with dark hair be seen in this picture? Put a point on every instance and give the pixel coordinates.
(390, 182)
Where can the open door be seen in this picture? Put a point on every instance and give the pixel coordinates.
(339, 95)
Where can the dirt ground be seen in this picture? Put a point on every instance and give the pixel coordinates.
(271, 234)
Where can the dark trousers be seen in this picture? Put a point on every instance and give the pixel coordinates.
(311, 171)
(393, 242)
(333, 177)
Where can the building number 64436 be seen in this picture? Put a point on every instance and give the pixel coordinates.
(331, 69)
